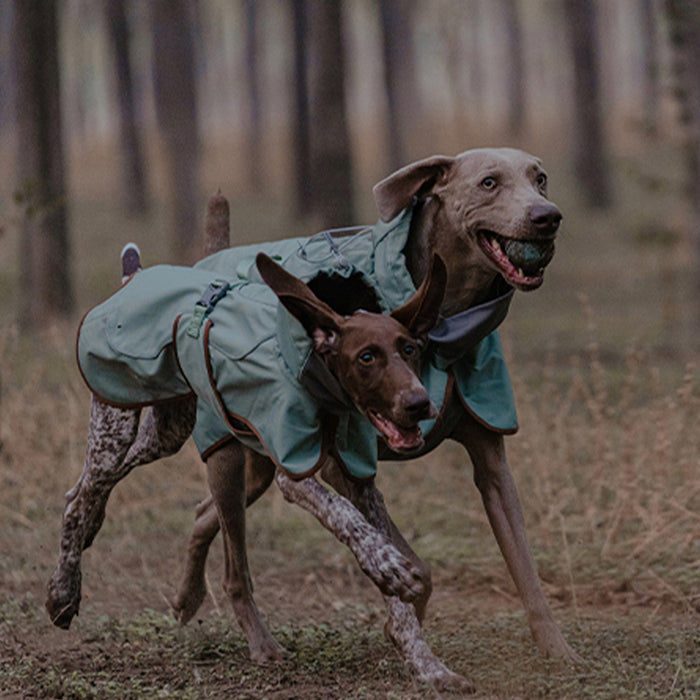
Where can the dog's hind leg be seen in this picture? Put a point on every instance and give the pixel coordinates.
(163, 431)
(116, 444)
(227, 472)
(259, 473)
(112, 432)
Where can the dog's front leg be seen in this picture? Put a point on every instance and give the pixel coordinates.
(259, 474)
(403, 626)
(391, 571)
(193, 588)
(226, 472)
(495, 482)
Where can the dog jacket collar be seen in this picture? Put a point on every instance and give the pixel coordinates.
(456, 335)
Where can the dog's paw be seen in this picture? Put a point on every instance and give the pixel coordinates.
(558, 648)
(63, 601)
(187, 601)
(395, 574)
(445, 681)
(551, 643)
(266, 651)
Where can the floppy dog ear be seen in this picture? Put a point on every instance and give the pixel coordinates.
(420, 313)
(320, 321)
(394, 193)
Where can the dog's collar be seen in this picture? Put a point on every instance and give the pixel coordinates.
(456, 335)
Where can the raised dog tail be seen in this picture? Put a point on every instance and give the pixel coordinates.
(131, 260)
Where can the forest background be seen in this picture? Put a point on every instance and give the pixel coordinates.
(118, 118)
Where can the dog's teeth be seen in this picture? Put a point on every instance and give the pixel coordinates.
(495, 245)
(520, 272)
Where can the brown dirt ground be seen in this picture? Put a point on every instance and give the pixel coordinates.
(637, 642)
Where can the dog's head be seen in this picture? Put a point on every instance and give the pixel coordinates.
(375, 357)
(492, 201)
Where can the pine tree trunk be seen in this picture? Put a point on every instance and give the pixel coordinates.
(684, 26)
(175, 89)
(252, 50)
(134, 184)
(650, 51)
(45, 275)
(330, 141)
(588, 136)
(302, 136)
(403, 110)
(516, 71)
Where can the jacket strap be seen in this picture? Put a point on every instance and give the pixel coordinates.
(213, 294)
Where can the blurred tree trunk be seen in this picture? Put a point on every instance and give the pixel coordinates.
(588, 133)
(453, 25)
(131, 152)
(684, 26)
(403, 109)
(45, 279)
(650, 51)
(253, 78)
(302, 136)
(175, 90)
(516, 71)
(472, 16)
(7, 90)
(330, 136)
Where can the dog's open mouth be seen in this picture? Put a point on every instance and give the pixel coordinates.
(398, 439)
(521, 261)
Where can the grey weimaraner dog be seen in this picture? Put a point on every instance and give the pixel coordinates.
(486, 213)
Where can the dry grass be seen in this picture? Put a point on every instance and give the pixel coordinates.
(613, 485)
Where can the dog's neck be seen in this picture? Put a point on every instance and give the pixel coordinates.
(468, 279)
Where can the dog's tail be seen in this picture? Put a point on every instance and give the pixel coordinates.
(131, 260)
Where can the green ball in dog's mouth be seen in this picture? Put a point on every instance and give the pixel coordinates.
(528, 255)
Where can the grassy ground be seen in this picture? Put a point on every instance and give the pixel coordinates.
(605, 365)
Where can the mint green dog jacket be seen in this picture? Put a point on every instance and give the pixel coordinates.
(250, 362)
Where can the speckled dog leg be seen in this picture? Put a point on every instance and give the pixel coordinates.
(375, 553)
(112, 431)
(162, 432)
(116, 444)
(404, 630)
(403, 627)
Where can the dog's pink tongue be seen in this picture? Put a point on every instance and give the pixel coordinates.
(398, 438)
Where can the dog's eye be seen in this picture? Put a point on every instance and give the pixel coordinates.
(489, 183)
(409, 349)
(366, 357)
(541, 181)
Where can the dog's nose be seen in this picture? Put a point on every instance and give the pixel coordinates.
(545, 218)
(417, 405)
